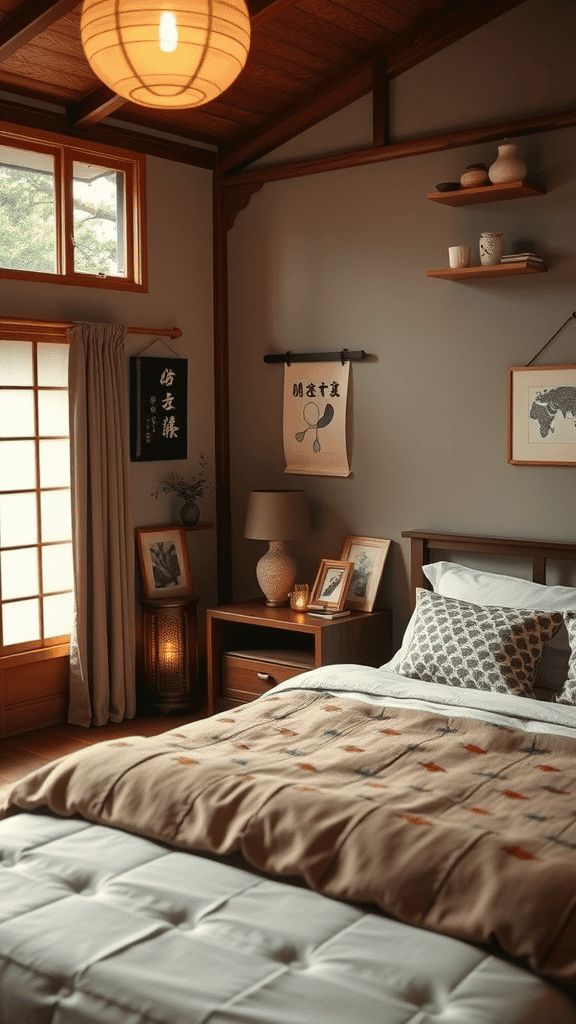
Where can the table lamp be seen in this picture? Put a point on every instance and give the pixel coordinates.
(276, 516)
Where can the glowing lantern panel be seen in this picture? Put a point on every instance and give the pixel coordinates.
(180, 54)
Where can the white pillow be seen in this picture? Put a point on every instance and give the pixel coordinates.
(487, 588)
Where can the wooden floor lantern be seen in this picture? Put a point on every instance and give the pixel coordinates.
(171, 654)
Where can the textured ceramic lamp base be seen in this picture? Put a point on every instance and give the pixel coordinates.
(276, 573)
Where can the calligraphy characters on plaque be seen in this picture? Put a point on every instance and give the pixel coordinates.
(158, 409)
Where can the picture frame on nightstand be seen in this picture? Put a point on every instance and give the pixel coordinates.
(368, 555)
(331, 585)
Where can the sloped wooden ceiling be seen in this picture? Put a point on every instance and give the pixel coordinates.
(308, 59)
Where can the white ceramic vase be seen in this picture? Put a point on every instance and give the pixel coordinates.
(508, 166)
(491, 248)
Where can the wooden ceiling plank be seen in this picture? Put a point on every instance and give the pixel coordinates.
(260, 12)
(442, 31)
(283, 39)
(205, 127)
(351, 21)
(29, 21)
(289, 63)
(308, 23)
(385, 15)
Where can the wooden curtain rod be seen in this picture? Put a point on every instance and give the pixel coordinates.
(9, 321)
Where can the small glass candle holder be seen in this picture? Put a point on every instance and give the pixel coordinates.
(299, 597)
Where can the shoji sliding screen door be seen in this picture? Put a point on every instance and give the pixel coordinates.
(36, 580)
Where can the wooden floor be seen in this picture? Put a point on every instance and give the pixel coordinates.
(29, 750)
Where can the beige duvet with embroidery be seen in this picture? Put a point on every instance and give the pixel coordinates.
(452, 824)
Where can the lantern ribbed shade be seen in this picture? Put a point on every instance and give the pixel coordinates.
(121, 39)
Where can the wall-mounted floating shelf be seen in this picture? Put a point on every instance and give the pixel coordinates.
(487, 194)
(202, 525)
(498, 270)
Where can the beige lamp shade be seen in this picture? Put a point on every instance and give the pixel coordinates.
(178, 54)
(276, 516)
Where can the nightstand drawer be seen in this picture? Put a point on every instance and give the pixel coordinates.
(251, 647)
(246, 678)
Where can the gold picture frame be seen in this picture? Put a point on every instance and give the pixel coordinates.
(331, 585)
(164, 563)
(368, 556)
(542, 415)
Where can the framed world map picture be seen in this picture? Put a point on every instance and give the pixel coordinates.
(542, 415)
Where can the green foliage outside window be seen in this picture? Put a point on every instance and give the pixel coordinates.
(27, 222)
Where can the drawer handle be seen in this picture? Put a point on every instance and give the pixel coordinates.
(263, 675)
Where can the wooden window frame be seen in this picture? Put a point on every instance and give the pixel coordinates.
(65, 152)
(45, 648)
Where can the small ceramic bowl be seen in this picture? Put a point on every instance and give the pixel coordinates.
(448, 186)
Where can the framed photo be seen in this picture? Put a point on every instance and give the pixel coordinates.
(331, 585)
(164, 563)
(542, 415)
(368, 555)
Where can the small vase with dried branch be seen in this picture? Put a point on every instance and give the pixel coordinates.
(189, 490)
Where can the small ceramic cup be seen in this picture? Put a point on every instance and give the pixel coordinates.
(459, 255)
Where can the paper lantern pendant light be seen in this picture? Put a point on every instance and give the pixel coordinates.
(177, 53)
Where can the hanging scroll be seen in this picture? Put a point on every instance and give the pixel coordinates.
(315, 398)
(158, 409)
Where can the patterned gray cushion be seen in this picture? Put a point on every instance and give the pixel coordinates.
(487, 648)
(567, 695)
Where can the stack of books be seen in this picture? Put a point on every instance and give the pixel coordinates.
(322, 613)
(523, 257)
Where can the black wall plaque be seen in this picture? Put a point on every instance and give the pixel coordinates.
(158, 409)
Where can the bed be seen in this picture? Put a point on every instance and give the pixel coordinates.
(356, 845)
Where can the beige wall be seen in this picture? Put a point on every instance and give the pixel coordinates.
(340, 259)
(180, 293)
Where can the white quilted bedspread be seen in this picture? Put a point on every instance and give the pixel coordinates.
(101, 927)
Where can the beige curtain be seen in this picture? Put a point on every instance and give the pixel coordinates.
(102, 663)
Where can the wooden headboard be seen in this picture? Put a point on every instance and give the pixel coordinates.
(537, 551)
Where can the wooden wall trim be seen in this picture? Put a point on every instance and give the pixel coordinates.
(221, 395)
(235, 199)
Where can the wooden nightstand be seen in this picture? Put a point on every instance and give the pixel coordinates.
(252, 647)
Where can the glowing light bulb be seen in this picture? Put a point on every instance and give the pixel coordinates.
(167, 32)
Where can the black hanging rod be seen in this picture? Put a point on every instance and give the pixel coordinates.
(315, 357)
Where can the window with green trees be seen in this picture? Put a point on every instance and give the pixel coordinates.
(71, 214)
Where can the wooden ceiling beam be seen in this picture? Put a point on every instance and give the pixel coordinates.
(94, 108)
(252, 179)
(442, 31)
(29, 21)
(380, 105)
(41, 120)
